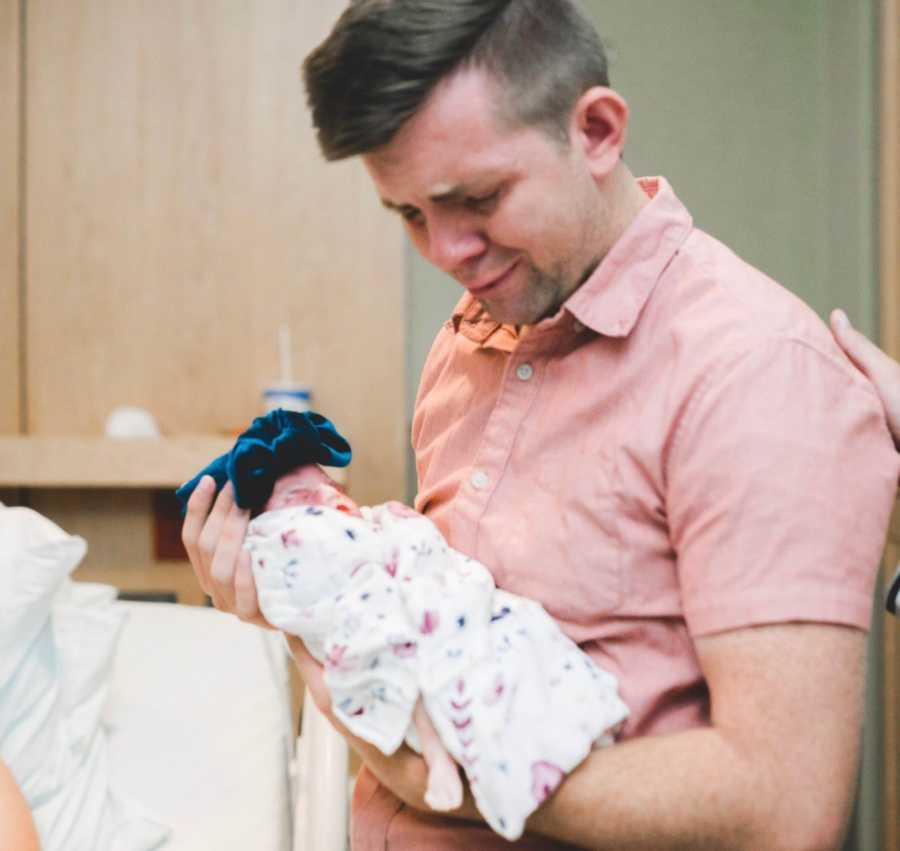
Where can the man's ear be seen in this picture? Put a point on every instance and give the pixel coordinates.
(599, 127)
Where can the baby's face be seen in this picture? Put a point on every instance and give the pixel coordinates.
(309, 485)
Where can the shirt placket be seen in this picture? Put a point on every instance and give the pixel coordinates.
(522, 377)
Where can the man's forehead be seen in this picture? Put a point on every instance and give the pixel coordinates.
(447, 145)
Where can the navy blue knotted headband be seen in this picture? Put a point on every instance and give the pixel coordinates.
(273, 445)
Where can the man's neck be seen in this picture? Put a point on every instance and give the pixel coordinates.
(626, 199)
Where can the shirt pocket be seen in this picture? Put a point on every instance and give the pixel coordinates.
(564, 545)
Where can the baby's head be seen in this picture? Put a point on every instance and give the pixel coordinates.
(309, 485)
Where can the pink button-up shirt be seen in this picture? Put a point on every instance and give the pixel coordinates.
(680, 450)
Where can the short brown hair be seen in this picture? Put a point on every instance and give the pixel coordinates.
(384, 57)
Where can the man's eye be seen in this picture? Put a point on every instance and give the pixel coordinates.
(482, 202)
(412, 216)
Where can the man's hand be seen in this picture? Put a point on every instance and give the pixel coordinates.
(214, 538)
(881, 370)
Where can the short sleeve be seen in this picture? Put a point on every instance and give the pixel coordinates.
(780, 483)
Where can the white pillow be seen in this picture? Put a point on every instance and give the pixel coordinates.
(57, 641)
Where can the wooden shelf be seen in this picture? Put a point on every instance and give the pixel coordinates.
(101, 462)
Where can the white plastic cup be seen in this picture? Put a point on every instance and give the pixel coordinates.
(291, 397)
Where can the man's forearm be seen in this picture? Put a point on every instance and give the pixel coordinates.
(775, 771)
(686, 791)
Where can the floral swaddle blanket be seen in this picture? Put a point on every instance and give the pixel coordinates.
(393, 613)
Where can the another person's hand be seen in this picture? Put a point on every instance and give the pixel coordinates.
(881, 370)
(213, 535)
(17, 830)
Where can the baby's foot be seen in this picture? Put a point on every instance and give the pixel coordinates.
(445, 791)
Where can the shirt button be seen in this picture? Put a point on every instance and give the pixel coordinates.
(524, 371)
(480, 480)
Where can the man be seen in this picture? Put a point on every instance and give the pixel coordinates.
(623, 421)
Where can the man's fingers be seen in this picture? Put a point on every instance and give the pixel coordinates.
(208, 542)
(312, 674)
(227, 552)
(246, 604)
(194, 519)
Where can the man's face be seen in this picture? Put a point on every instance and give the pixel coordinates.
(511, 213)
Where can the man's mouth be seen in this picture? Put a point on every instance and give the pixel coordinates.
(482, 289)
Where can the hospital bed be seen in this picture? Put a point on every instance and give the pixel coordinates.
(153, 726)
(201, 733)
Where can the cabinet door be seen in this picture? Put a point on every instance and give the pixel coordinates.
(179, 213)
(9, 217)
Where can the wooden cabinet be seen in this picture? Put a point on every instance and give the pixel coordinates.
(85, 462)
(164, 211)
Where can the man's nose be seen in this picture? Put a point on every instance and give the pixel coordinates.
(453, 244)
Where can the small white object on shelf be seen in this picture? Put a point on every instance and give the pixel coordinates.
(130, 422)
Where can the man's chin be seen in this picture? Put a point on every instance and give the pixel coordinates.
(512, 315)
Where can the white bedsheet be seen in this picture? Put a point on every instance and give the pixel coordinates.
(201, 734)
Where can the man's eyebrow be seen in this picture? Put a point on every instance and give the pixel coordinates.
(397, 208)
(442, 194)
(445, 193)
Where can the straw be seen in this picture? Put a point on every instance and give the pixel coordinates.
(284, 353)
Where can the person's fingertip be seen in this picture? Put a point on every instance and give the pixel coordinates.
(839, 320)
(199, 494)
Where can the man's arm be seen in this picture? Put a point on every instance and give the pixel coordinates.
(775, 771)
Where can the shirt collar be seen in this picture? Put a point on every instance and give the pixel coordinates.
(472, 321)
(612, 298)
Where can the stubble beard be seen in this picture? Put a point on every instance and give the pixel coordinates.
(541, 297)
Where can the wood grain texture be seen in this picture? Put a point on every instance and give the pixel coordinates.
(54, 462)
(179, 212)
(889, 188)
(98, 462)
(9, 215)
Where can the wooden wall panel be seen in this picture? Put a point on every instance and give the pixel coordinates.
(9, 216)
(889, 189)
(179, 212)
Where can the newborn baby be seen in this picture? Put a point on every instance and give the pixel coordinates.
(418, 644)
